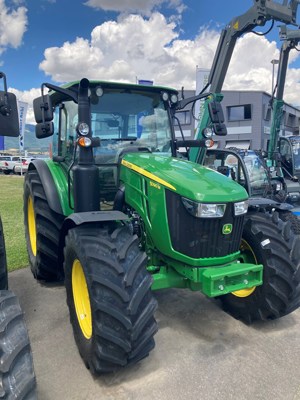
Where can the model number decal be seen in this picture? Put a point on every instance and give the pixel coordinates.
(149, 175)
(156, 185)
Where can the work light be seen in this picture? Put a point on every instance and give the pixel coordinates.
(83, 129)
(241, 207)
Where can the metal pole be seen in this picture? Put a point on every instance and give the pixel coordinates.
(273, 62)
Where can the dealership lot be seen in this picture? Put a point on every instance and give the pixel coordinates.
(201, 352)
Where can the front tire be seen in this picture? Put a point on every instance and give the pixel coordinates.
(17, 375)
(42, 229)
(109, 297)
(268, 241)
(3, 266)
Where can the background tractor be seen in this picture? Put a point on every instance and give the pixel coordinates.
(118, 213)
(17, 375)
(283, 152)
(272, 189)
(264, 180)
(249, 169)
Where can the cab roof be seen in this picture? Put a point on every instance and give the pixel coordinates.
(58, 97)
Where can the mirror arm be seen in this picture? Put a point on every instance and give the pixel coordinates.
(67, 92)
(184, 102)
(5, 108)
(3, 76)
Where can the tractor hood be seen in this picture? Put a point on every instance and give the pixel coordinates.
(186, 178)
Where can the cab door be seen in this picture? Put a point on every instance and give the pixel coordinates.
(285, 150)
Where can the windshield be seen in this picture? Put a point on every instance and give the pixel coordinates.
(295, 141)
(120, 118)
(125, 120)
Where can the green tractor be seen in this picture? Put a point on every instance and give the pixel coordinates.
(17, 375)
(118, 213)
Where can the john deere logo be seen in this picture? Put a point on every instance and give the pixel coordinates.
(227, 229)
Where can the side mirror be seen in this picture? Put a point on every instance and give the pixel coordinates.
(220, 129)
(215, 112)
(9, 119)
(44, 130)
(217, 118)
(42, 108)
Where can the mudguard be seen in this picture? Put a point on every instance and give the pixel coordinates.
(48, 184)
(267, 203)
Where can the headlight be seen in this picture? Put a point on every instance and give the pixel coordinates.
(204, 210)
(279, 186)
(83, 128)
(207, 133)
(241, 207)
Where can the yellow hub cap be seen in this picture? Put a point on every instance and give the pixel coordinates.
(247, 250)
(81, 299)
(31, 225)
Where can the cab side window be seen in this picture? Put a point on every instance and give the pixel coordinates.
(65, 121)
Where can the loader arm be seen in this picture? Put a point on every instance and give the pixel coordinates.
(291, 39)
(261, 12)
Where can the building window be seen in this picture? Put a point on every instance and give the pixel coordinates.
(184, 118)
(291, 120)
(267, 112)
(238, 113)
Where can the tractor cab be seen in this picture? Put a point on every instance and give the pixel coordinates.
(123, 119)
(114, 120)
(289, 156)
(289, 148)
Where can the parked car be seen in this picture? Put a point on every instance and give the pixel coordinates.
(22, 167)
(7, 163)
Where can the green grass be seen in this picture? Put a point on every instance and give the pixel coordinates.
(11, 211)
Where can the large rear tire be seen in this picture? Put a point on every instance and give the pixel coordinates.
(288, 216)
(3, 266)
(17, 377)
(109, 297)
(268, 241)
(42, 229)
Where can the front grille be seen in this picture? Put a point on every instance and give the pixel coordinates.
(202, 237)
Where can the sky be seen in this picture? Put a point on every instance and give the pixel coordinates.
(58, 41)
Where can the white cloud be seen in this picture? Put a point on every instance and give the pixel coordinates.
(150, 48)
(117, 50)
(27, 96)
(13, 24)
(252, 70)
(126, 6)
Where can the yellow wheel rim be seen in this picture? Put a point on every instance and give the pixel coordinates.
(248, 256)
(81, 299)
(31, 225)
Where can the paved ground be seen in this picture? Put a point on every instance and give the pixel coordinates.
(201, 352)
